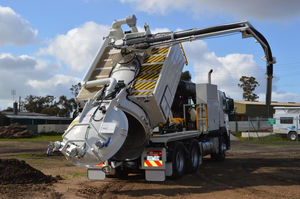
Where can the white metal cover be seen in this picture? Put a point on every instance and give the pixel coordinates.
(208, 94)
(158, 104)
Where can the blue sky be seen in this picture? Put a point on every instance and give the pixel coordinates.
(48, 45)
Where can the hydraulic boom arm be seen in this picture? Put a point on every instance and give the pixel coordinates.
(172, 38)
(129, 90)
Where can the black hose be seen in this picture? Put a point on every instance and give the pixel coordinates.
(98, 107)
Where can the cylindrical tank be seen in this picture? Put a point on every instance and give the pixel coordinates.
(111, 129)
(126, 69)
(135, 141)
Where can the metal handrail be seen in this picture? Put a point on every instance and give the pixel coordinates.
(201, 107)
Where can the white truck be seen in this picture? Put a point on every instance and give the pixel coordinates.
(287, 121)
(137, 115)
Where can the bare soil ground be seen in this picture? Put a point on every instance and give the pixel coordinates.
(250, 171)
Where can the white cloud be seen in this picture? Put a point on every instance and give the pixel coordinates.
(227, 70)
(53, 84)
(78, 47)
(10, 62)
(14, 29)
(283, 96)
(259, 9)
(29, 75)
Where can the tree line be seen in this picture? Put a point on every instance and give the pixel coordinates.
(50, 105)
(64, 107)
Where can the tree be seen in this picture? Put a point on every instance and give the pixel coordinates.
(66, 106)
(248, 84)
(36, 103)
(9, 109)
(48, 105)
(75, 89)
(186, 76)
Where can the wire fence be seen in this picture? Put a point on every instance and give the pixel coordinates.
(281, 130)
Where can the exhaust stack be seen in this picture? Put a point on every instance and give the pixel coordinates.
(209, 76)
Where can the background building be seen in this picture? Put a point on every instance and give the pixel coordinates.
(247, 109)
(38, 123)
(253, 116)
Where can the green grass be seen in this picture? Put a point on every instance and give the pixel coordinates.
(39, 138)
(77, 174)
(269, 140)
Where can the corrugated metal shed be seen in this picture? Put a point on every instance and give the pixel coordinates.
(259, 109)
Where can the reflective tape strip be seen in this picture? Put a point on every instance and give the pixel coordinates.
(153, 163)
(102, 164)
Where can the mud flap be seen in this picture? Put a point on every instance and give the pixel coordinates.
(169, 169)
(155, 175)
(95, 174)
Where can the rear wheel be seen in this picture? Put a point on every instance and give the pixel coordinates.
(292, 135)
(222, 150)
(178, 160)
(195, 158)
(121, 172)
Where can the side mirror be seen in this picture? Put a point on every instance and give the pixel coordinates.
(229, 105)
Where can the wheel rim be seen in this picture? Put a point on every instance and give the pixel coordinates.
(223, 147)
(179, 162)
(293, 136)
(200, 160)
(195, 157)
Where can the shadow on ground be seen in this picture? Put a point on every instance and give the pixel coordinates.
(217, 176)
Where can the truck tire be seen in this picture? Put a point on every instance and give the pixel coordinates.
(222, 150)
(195, 158)
(121, 173)
(178, 160)
(292, 136)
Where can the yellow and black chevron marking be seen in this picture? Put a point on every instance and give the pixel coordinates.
(147, 76)
(141, 93)
(159, 51)
(144, 85)
(153, 67)
(152, 59)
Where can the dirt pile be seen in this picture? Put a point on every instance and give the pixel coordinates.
(13, 171)
(15, 131)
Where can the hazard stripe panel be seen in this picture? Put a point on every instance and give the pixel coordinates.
(148, 76)
(153, 67)
(145, 83)
(103, 164)
(141, 93)
(153, 163)
(159, 51)
(153, 59)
